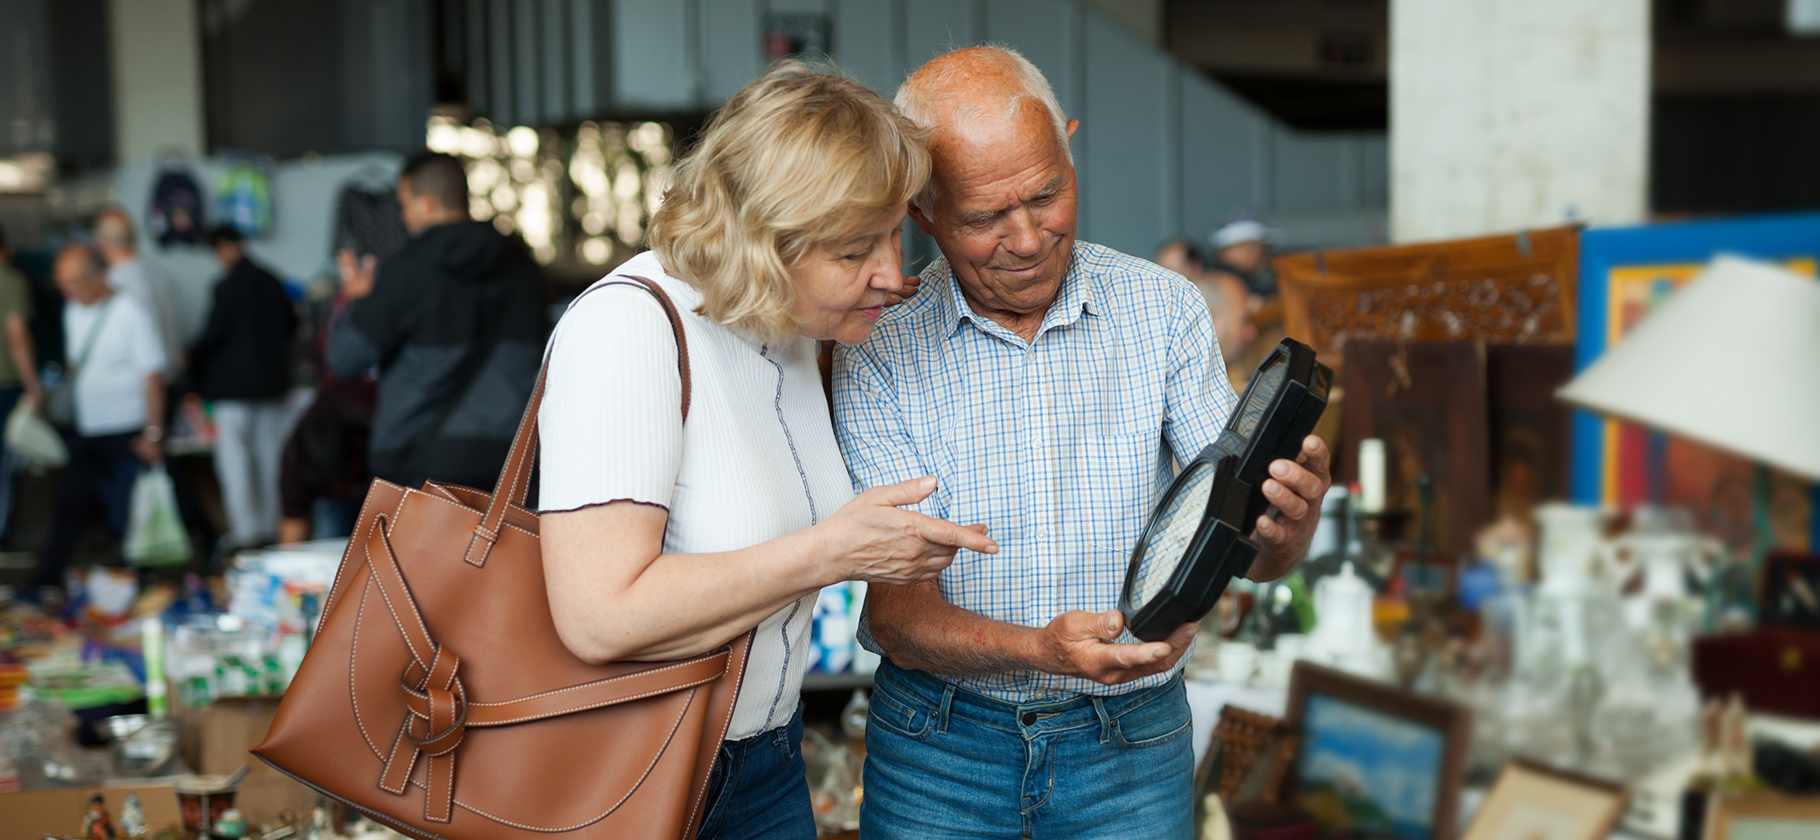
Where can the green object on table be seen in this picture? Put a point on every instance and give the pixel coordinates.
(85, 686)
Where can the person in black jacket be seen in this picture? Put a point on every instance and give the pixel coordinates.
(455, 321)
(242, 364)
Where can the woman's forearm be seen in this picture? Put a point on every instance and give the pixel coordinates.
(615, 597)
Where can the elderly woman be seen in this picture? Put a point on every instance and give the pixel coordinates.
(664, 539)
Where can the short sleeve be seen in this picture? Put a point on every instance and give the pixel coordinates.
(870, 426)
(1200, 397)
(145, 343)
(15, 296)
(610, 427)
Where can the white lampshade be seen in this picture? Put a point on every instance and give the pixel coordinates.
(1731, 360)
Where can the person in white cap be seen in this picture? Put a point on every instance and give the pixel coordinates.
(1239, 249)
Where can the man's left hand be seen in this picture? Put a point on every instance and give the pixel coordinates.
(1295, 488)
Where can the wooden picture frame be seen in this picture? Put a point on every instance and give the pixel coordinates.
(1335, 712)
(1764, 816)
(1532, 801)
(1517, 288)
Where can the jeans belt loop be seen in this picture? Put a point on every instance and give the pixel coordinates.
(946, 709)
(1099, 708)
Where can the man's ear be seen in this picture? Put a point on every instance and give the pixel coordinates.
(922, 221)
(1072, 125)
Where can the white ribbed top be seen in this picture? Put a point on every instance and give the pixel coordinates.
(757, 459)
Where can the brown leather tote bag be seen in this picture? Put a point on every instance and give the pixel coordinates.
(438, 699)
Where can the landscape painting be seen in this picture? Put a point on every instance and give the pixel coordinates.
(1363, 770)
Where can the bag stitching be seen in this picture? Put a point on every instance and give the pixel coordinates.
(385, 540)
(609, 812)
(745, 654)
(328, 605)
(654, 692)
(437, 498)
(354, 650)
(395, 620)
(603, 682)
(398, 791)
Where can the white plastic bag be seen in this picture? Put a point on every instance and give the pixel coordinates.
(154, 531)
(33, 439)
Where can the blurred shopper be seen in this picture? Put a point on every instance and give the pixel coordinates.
(147, 283)
(18, 365)
(116, 361)
(1239, 249)
(1182, 257)
(455, 322)
(1228, 301)
(242, 364)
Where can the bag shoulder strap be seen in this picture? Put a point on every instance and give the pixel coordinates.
(94, 335)
(515, 479)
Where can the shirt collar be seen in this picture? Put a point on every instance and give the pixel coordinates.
(1078, 295)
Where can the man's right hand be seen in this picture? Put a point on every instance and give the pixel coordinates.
(1084, 644)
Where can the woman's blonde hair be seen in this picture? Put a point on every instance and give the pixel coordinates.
(798, 158)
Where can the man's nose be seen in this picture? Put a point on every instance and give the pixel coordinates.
(1026, 239)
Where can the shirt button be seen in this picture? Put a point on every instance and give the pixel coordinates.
(1042, 534)
(1029, 718)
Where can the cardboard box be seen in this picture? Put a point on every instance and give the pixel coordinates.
(31, 814)
(216, 741)
(229, 728)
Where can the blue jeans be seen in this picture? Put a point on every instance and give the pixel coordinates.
(760, 789)
(944, 762)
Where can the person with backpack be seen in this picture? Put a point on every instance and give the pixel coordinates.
(242, 364)
(455, 322)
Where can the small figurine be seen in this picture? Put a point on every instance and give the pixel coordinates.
(132, 818)
(231, 825)
(96, 823)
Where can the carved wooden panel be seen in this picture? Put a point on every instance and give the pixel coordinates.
(1515, 289)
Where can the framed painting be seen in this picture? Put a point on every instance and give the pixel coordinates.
(1374, 758)
(1763, 816)
(1531, 801)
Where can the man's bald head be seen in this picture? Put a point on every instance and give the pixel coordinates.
(975, 84)
(80, 274)
(1002, 201)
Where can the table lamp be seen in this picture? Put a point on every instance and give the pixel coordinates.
(1732, 360)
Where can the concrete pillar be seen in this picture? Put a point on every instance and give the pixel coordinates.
(157, 56)
(1508, 114)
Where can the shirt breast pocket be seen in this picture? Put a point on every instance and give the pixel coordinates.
(1115, 480)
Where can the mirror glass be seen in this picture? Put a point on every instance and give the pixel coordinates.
(1173, 529)
(1264, 385)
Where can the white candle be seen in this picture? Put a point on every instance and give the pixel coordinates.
(1371, 475)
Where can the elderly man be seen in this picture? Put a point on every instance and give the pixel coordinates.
(1047, 384)
(115, 362)
(118, 243)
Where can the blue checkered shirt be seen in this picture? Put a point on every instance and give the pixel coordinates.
(1061, 445)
